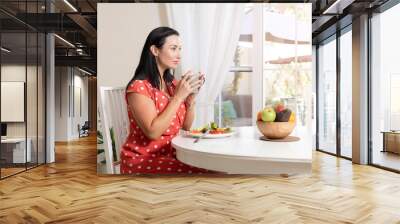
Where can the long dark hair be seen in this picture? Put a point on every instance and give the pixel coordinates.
(147, 68)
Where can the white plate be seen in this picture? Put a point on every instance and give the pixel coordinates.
(196, 135)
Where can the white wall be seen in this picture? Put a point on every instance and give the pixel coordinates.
(66, 121)
(122, 30)
(17, 73)
(62, 81)
(34, 124)
(14, 73)
(82, 83)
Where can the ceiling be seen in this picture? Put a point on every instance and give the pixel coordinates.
(76, 22)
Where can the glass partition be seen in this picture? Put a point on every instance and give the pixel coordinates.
(13, 92)
(31, 97)
(23, 90)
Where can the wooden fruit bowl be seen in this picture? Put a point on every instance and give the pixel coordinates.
(275, 130)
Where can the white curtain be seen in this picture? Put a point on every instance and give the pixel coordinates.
(210, 33)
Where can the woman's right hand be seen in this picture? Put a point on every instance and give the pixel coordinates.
(186, 86)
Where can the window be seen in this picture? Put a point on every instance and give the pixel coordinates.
(287, 57)
(346, 93)
(385, 87)
(233, 107)
(285, 68)
(327, 96)
(394, 101)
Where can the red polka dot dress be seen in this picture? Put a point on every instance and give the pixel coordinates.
(140, 155)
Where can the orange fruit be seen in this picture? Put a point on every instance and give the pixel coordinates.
(292, 117)
(259, 116)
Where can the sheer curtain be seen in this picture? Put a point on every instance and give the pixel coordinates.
(210, 33)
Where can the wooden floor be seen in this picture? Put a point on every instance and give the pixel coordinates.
(387, 159)
(10, 171)
(70, 191)
(5, 172)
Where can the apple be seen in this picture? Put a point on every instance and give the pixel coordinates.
(268, 114)
(283, 116)
(279, 107)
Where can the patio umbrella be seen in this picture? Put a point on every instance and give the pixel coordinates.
(300, 59)
(272, 38)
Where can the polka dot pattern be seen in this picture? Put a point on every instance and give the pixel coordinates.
(141, 155)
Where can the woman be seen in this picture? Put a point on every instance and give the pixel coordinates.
(158, 106)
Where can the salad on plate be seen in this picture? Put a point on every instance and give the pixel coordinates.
(211, 131)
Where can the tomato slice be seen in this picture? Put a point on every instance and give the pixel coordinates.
(216, 132)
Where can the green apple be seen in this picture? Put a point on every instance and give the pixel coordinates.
(268, 114)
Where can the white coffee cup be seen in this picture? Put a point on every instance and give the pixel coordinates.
(195, 78)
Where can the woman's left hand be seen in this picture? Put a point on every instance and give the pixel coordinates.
(190, 100)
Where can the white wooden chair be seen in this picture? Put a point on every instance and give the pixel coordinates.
(113, 114)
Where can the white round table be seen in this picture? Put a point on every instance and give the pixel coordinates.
(245, 153)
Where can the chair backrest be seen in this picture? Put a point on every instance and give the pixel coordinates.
(113, 115)
(85, 126)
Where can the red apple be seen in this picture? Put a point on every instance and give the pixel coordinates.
(279, 107)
